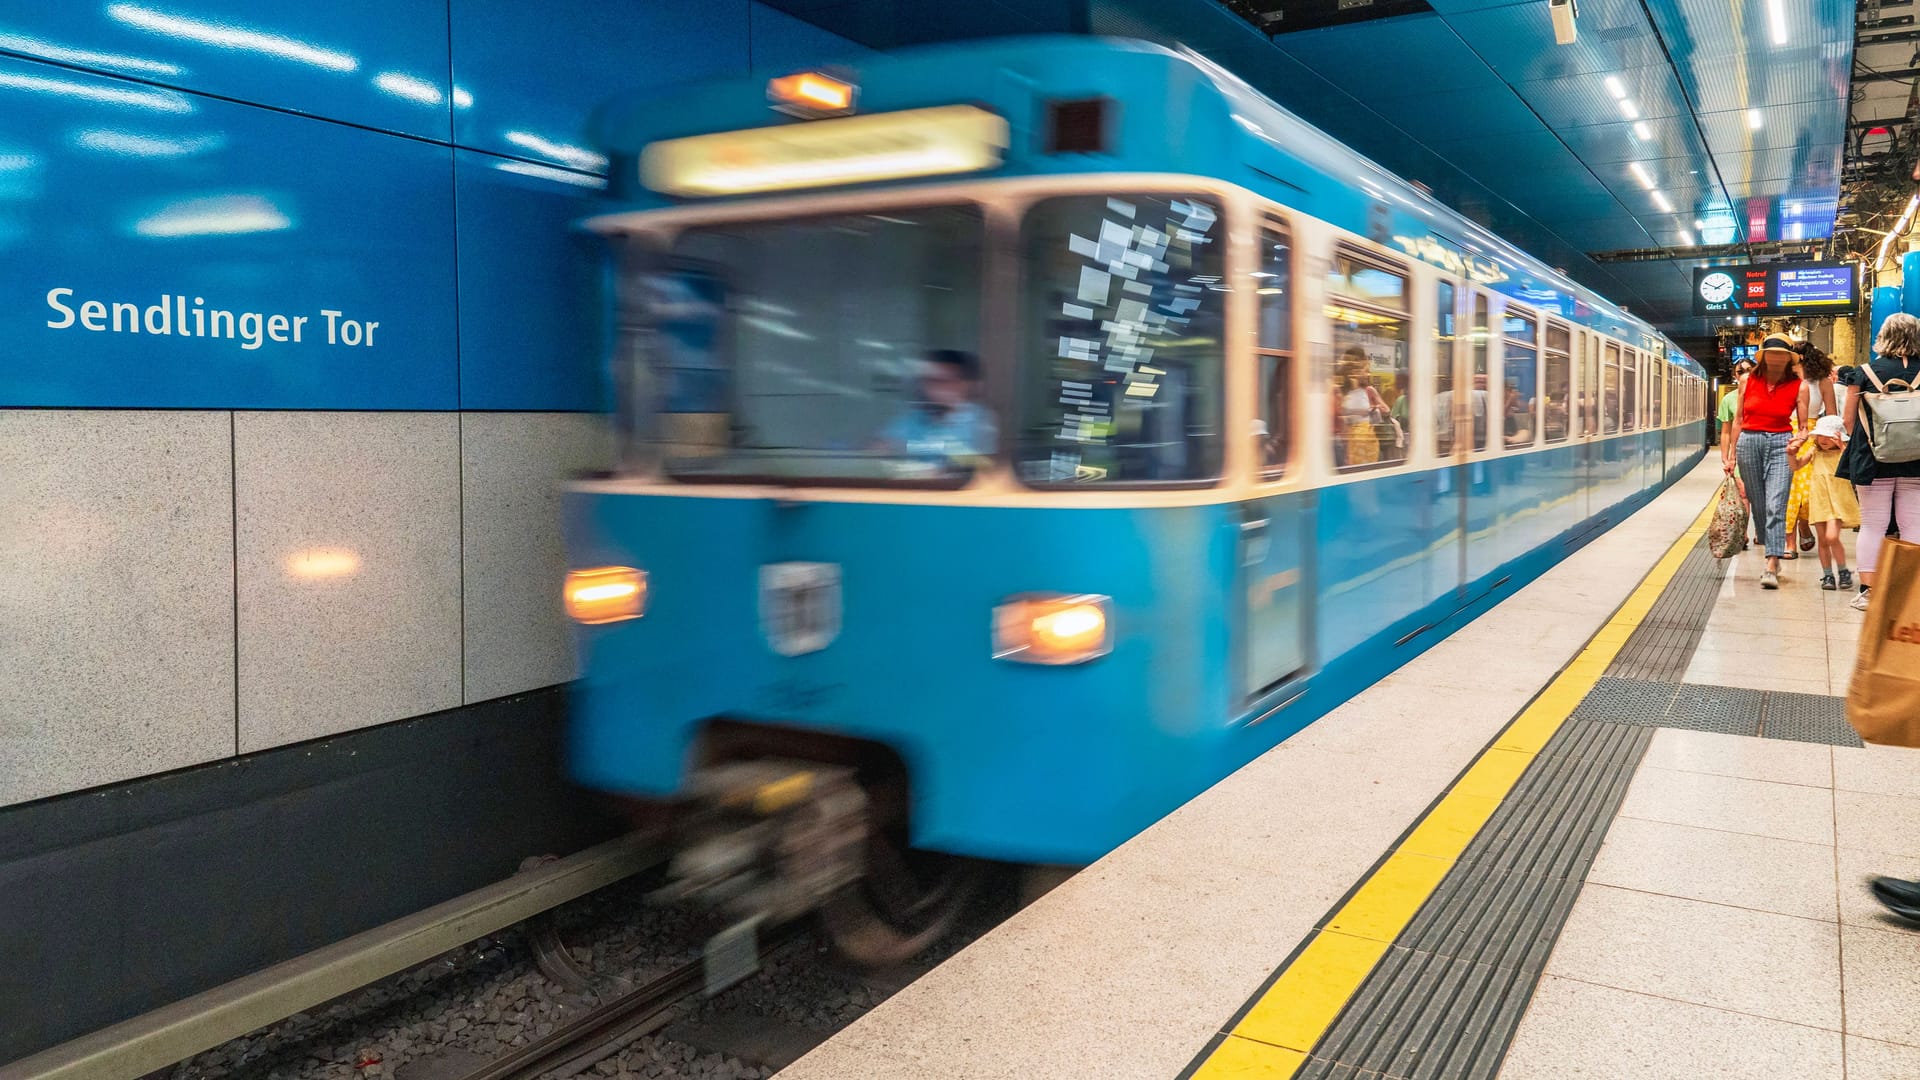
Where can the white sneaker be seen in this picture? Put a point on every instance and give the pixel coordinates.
(1859, 602)
(1769, 580)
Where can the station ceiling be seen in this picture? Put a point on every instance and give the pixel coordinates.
(1668, 133)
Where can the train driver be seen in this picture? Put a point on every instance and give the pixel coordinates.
(944, 425)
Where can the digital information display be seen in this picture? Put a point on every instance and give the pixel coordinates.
(1777, 289)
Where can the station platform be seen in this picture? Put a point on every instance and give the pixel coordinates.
(1618, 826)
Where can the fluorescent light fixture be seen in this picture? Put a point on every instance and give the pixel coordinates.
(214, 215)
(134, 144)
(1686, 238)
(1615, 87)
(60, 54)
(462, 99)
(1642, 132)
(17, 162)
(410, 87)
(577, 157)
(1660, 200)
(548, 172)
(227, 36)
(1628, 109)
(1754, 119)
(1640, 172)
(1777, 20)
(1700, 225)
(158, 100)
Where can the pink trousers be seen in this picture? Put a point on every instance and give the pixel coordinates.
(1881, 502)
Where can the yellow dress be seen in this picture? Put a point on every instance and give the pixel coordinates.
(1828, 496)
(1797, 496)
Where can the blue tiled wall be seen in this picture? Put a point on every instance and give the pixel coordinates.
(416, 164)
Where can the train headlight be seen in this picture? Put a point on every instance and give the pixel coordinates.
(1051, 629)
(606, 594)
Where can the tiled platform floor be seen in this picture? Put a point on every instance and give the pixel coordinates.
(1725, 929)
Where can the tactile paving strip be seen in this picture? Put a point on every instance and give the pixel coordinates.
(1812, 718)
(1731, 710)
(1663, 644)
(1614, 700)
(1444, 1002)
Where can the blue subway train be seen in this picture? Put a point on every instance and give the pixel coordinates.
(1019, 437)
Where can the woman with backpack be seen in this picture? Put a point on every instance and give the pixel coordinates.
(1768, 413)
(1889, 491)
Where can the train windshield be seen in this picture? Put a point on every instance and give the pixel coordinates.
(826, 349)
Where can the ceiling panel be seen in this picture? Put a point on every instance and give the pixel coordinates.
(1733, 131)
(1459, 114)
(1427, 56)
(1517, 40)
(1719, 85)
(1601, 145)
(1720, 28)
(1580, 100)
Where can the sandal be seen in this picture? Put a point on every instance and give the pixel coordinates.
(1791, 554)
(1806, 545)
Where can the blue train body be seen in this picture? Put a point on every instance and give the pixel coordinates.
(1243, 607)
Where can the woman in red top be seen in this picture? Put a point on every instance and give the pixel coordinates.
(1763, 424)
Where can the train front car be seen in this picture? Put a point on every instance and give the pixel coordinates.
(1021, 436)
(920, 533)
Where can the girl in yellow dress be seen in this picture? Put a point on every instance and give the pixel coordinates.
(1830, 502)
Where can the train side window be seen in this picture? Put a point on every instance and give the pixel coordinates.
(1630, 391)
(1610, 391)
(1445, 330)
(1590, 387)
(1559, 382)
(1521, 396)
(1367, 304)
(1273, 350)
(1122, 347)
(1482, 335)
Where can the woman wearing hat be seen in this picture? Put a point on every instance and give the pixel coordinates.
(1887, 491)
(1764, 420)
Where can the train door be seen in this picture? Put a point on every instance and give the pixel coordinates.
(1452, 418)
(1273, 527)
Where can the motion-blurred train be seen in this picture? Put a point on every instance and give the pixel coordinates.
(1020, 437)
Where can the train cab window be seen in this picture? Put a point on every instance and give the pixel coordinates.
(1630, 391)
(1273, 351)
(830, 349)
(1482, 336)
(1521, 387)
(1367, 304)
(1121, 353)
(1446, 328)
(1557, 390)
(1610, 391)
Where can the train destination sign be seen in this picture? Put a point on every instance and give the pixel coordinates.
(1795, 288)
(826, 153)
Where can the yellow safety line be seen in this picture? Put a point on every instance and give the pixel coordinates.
(1273, 1039)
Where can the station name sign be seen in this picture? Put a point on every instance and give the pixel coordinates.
(827, 153)
(1795, 288)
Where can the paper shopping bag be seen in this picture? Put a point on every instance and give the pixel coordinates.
(1883, 700)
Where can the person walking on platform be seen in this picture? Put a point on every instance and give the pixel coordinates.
(1830, 503)
(1888, 492)
(1764, 418)
(1730, 401)
(1815, 369)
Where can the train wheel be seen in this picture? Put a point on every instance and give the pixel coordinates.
(905, 903)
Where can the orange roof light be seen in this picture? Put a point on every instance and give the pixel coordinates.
(810, 94)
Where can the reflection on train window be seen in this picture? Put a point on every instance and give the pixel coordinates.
(1482, 334)
(1445, 330)
(1123, 341)
(1521, 390)
(829, 348)
(1630, 391)
(1273, 351)
(1610, 391)
(1367, 305)
(1558, 383)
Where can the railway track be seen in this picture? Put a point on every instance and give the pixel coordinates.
(606, 1029)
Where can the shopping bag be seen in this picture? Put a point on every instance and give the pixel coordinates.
(1883, 700)
(1727, 532)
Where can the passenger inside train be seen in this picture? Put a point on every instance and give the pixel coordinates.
(944, 424)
